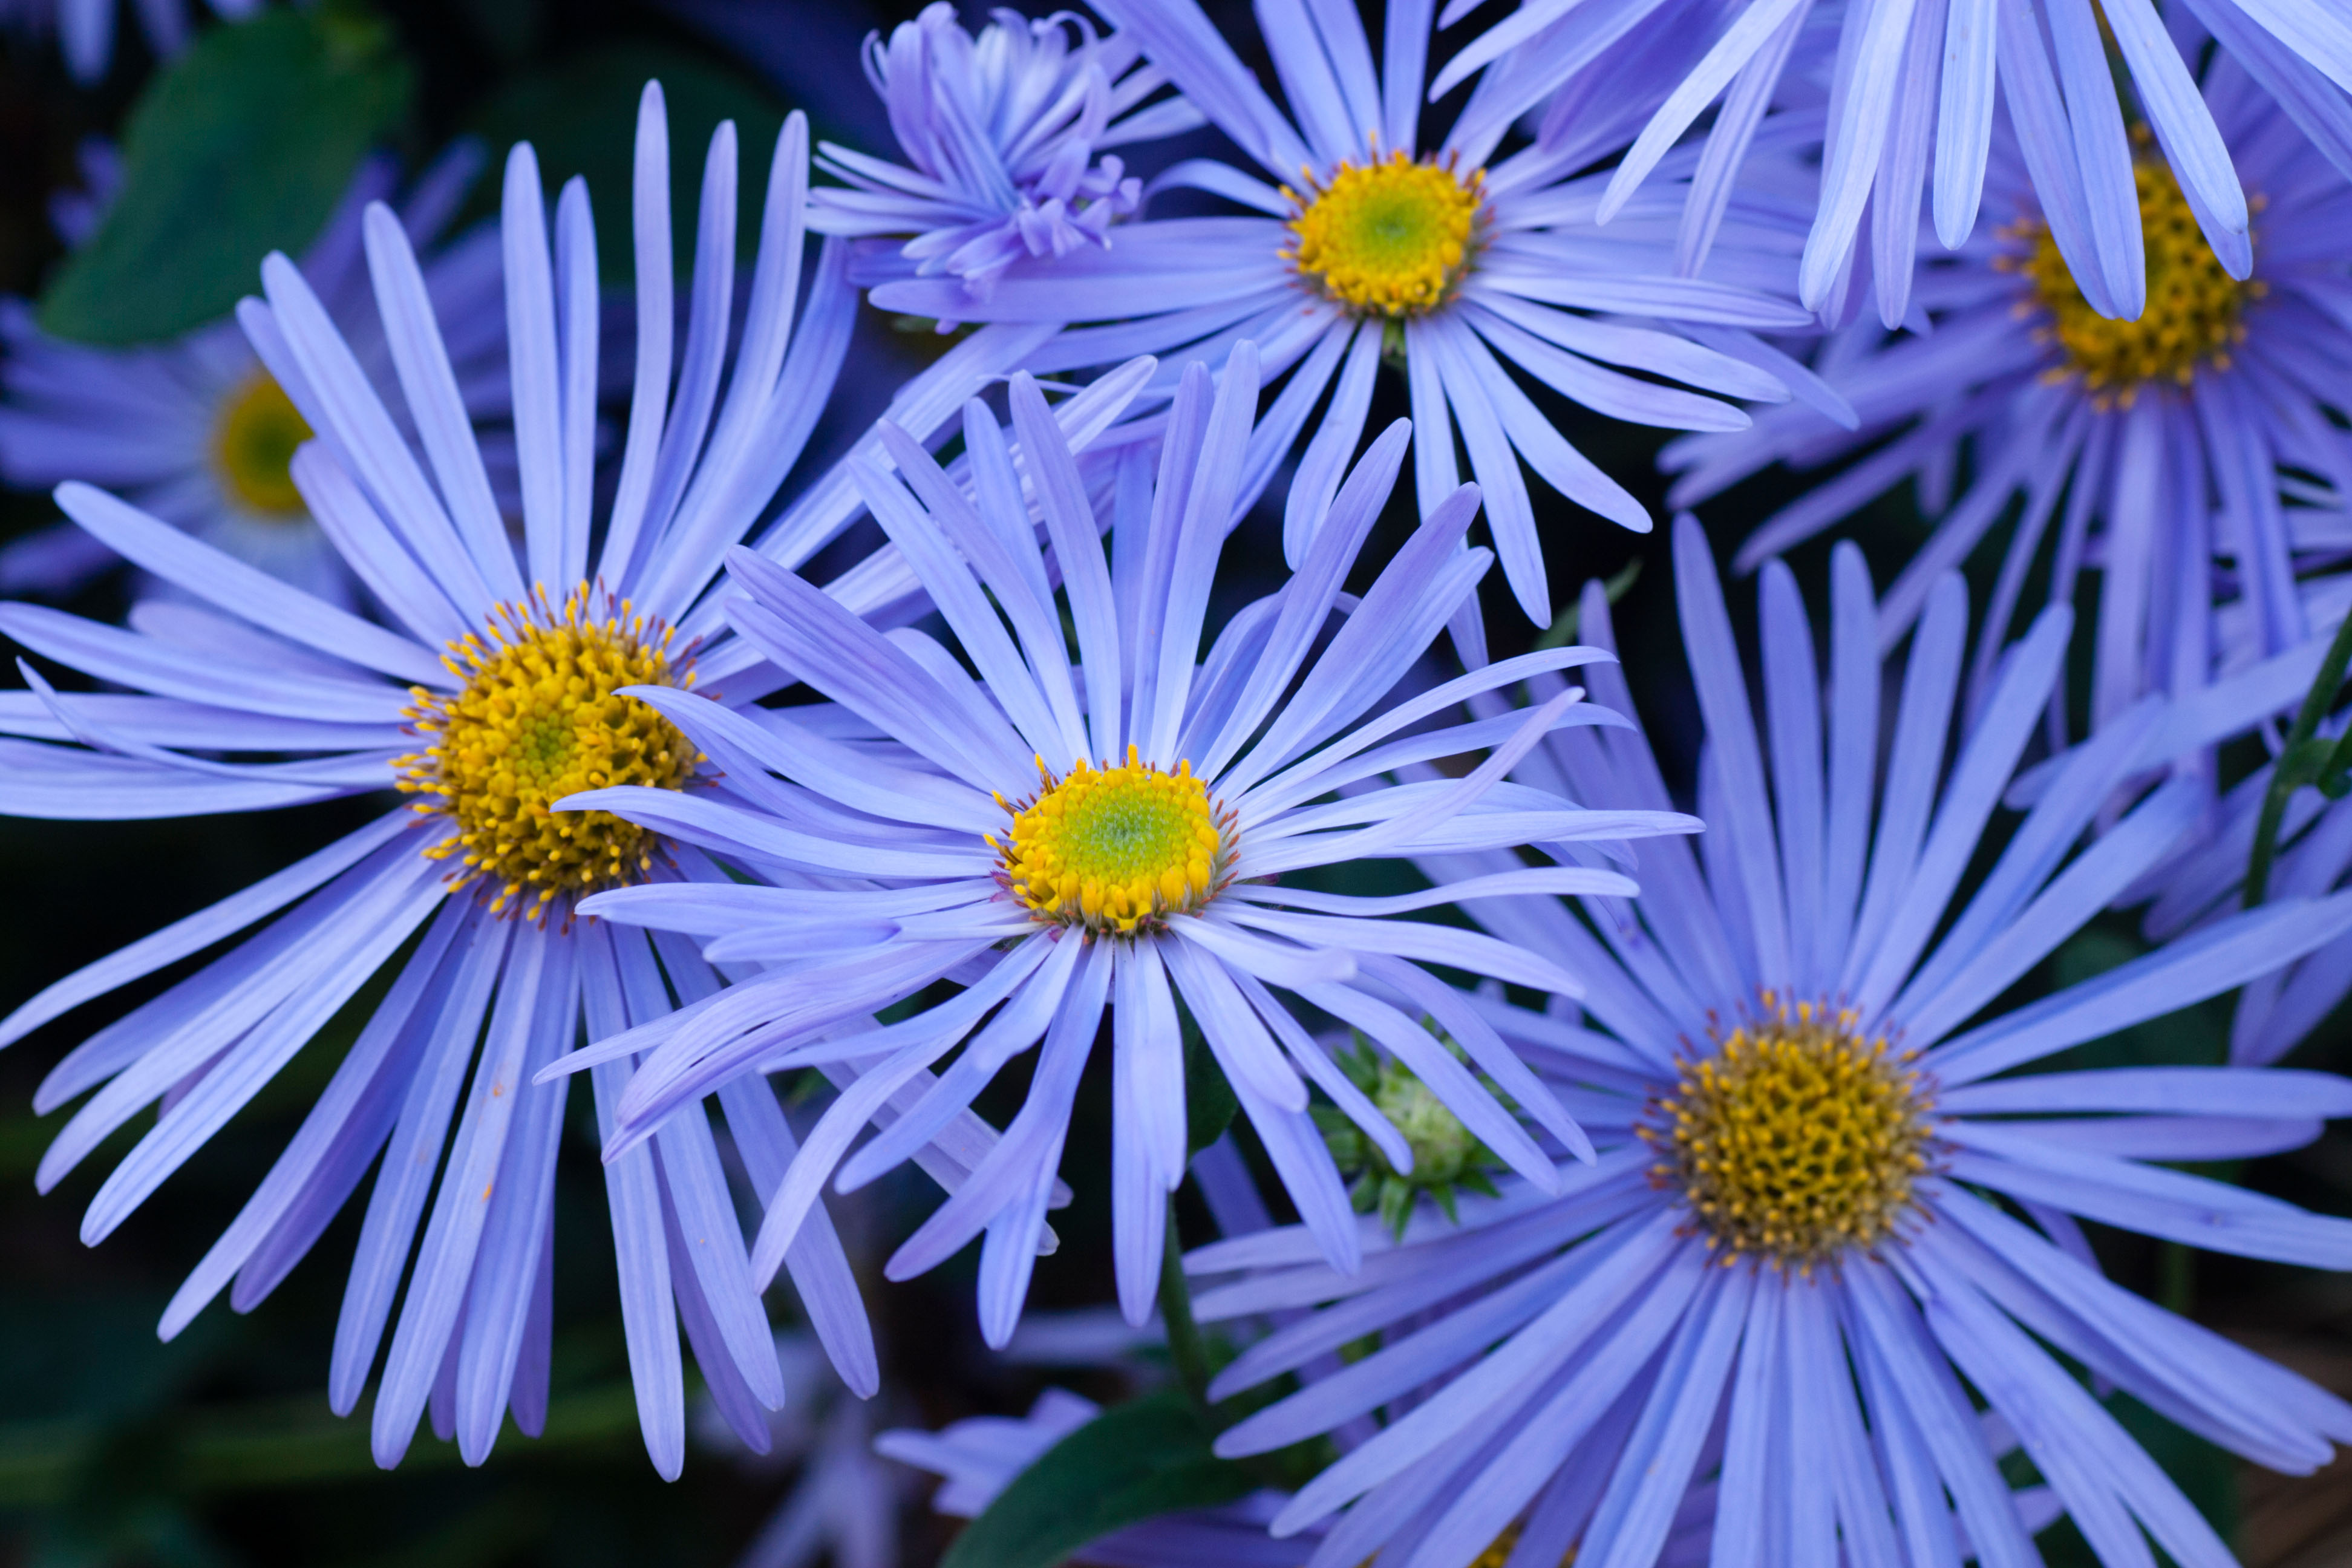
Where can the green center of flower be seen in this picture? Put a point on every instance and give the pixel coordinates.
(1116, 849)
(541, 717)
(1388, 239)
(254, 443)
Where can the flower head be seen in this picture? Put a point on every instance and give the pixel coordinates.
(1903, 79)
(1001, 133)
(2190, 458)
(1119, 885)
(199, 432)
(1367, 241)
(1826, 1190)
(503, 679)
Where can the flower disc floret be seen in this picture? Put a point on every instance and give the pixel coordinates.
(1386, 238)
(2194, 313)
(254, 443)
(1116, 849)
(541, 716)
(1796, 1140)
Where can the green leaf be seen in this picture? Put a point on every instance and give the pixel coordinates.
(581, 117)
(242, 147)
(1133, 1462)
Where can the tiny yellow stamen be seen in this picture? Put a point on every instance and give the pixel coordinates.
(2193, 311)
(1796, 1140)
(1386, 238)
(541, 717)
(1116, 849)
(254, 442)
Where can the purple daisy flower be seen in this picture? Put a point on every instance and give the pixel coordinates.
(1000, 133)
(2191, 458)
(196, 431)
(1373, 240)
(480, 872)
(1905, 76)
(1068, 837)
(1803, 1231)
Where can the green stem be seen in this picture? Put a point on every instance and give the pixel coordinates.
(2286, 778)
(1185, 1346)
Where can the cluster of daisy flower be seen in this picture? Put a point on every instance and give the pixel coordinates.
(1669, 1171)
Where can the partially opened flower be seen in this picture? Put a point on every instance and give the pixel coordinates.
(494, 690)
(1112, 832)
(1000, 133)
(197, 432)
(1917, 75)
(2193, 460)
(1374, 239)
(1828, 1190)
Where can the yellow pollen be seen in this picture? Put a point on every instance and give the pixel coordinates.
(1796, 1140)
(2194, 312)
(1116, 849)
(1386, 238)
(254, 442)
(541, 717)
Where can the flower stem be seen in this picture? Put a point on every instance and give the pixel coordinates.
(2302, 760)
(1185, 1347)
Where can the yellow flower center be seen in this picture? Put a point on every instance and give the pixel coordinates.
(254, 442)
(1796, 1140)
(2194, 308)
(1115, 848)
(1386, 238)
(541, 717)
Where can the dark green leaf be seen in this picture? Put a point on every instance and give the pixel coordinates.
(244, 146)
(581, 116)
(1133, 1462)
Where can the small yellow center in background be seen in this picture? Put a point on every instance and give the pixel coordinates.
(541, 717)
(1386, 238)
(1796, 1140)
(254, 442)
(1115, 848)
(2194, 308)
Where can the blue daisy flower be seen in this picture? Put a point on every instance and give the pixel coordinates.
(493, 692)
(2192, 459)
(1373, 240)
(1825, 1193)
(1906, 76)
(1070, 837)
(1000, 133)
(197, 432)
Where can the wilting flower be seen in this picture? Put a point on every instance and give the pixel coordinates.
(1067, 836)
(1371, 241)
(198, 433)
(85, 27)
(2190, 458)
(1001, 133)
(1904, 77)
(1826, 1192)
(464, 895)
